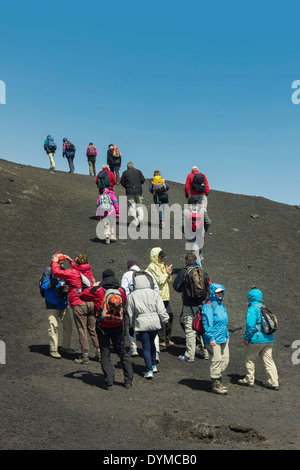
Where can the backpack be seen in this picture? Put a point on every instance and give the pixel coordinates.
(195, 218)
(70, 149)
(198, 183)
(51, 144)
(195, 282)
(197, 324)
(105, 203)
(142, 273)
(111, 310)
(103, 181)
(269, 323)
(41, 280)
(115, 151)
(91, 151)
(160, 187)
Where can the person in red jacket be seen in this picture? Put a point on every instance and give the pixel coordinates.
(108, 332)
(83, 312)
(198, 186)
(111, 177)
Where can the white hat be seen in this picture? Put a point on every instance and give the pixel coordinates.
(219, 290)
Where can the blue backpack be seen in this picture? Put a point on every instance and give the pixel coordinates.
(51, 144)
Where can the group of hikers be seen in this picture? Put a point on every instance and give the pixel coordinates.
(139, 304)
(114, 157)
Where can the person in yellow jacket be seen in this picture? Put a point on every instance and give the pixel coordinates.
(162, 275)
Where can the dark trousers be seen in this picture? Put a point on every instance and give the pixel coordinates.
(165, 333)
(149, 349)
(116, 170)
(71, 163)
(115, 335)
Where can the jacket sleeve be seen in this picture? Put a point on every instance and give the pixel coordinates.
(142, 178)
(251, 322)
(112, 178)
(160, 277)
(49, 281)
(151, 189)
(115, 203)
(206, 185)
(207, 320)
(178, 282)
(161, 310)
(65, 275)
(187, 186)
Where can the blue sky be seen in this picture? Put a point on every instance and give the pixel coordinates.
(173, 84)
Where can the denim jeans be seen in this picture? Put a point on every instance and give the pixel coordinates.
(149, 349)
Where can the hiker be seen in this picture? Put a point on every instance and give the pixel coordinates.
(197, 184)
(91, 153)
(192, 300)
(110, 332)
(68, 151)
(108, 208)
(216, 336)
(128, 285)
(114, 160)
(105, 179)
(163, 277)
(147, 313)
(83, 312)
(56, 301)
(258, 343)
(195, 222)
(50, 149)
(159, 188)
(132, 180)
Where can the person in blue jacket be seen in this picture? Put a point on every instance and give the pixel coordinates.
(216, 335)
(258, 344)
(57, 308)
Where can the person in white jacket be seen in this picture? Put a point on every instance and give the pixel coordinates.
(146, 312)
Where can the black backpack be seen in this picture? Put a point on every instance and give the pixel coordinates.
(198, 183)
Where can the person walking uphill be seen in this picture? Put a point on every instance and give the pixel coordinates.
(162, 275)
(197, 184)
(50, 149)
(114, 160)
(69, 151)
(146, 313)
(258, 343)
(216, 335)
(107, 331)
(83, 312)
(159, 188)
(91, 153)
(132, 180)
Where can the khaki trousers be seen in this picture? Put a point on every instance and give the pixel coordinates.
(264, 351)
(51, 158)
(65, 316)
(85, 322)
(190, 334)
(219, 359)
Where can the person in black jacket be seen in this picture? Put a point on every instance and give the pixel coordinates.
(190, 305)
(114, 160)
(132, 180)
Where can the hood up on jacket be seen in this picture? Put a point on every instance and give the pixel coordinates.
(110, 283)
(254, 296)
(212, 292)
(142, 282)
(154, 254)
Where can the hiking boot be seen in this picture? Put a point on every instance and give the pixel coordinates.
(133, 352)
(185, 358)
(128, 385)
(98, 356)
(154, 369)
(163, 344)
(272, 387)
(148, 375)
(245, 382)
(218, 388)
(55, 354)
(169, 342)
(107, 240)
(82, 360)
